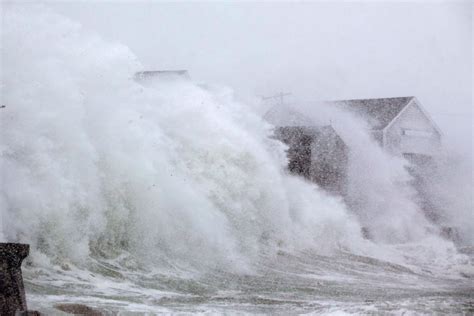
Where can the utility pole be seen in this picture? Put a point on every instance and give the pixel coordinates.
(279, 96)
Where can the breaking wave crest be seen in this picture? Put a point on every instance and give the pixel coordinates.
(93, 161)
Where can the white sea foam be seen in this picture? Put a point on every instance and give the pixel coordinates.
(91, 158)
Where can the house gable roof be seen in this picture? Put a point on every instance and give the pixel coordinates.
(379, 113)
(414, 102)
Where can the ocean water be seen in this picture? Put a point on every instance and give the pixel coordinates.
(297, 283)
(171, 196)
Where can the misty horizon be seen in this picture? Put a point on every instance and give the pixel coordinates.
(317, 51)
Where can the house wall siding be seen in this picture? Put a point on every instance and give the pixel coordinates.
(329, 161)
(412, 132)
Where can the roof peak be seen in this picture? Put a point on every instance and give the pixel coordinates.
(373, 99)
(378, 112)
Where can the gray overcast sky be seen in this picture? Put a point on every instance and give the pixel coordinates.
(316, 50)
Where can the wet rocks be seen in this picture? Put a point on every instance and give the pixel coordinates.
(12, 290)
(27, 313)
(78, 309)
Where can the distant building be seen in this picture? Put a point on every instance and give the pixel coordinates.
(316, 153)
(404, 128)
(400, 125)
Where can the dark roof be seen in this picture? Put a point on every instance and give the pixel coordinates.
(378, 112)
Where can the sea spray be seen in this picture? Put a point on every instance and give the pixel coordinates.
(378, 188)
(449, 187)
(168, 171)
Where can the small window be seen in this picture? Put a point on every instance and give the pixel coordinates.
(417, 133)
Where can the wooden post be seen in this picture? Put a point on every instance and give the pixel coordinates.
(12, 290)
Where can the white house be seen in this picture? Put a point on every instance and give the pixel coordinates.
(400, 125)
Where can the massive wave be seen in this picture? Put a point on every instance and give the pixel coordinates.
(92, 159)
